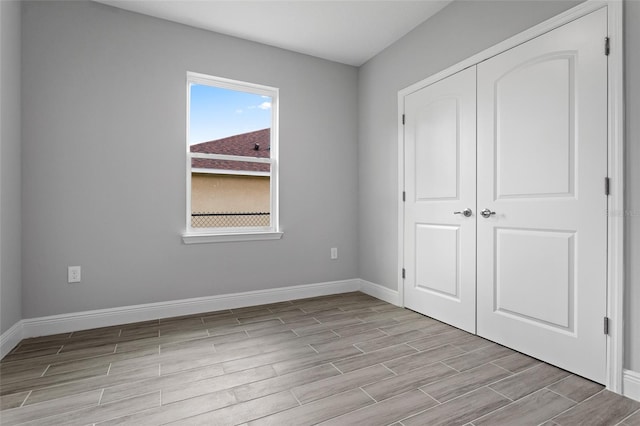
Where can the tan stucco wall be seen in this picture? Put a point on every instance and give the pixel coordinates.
(211, 193)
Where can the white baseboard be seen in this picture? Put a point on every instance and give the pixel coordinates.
(380, 292)
(65, 323)
(631, 384)
(10, 339)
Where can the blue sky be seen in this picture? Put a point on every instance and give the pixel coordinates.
(217, 113)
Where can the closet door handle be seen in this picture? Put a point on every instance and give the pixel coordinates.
(486, 213)
(465, 212)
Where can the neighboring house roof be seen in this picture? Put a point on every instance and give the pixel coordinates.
(243, 145)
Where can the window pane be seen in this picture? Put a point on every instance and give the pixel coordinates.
(227, 120)
(230, 200)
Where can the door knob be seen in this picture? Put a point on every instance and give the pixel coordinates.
(487, 213)
(465, 212)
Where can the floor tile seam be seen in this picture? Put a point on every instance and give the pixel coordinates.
(575, 403)
(459, 346)
(570, 408)
(421, 411)
(25, 399)
(511, 373)
(622, 422)
(559, 394)
(88, 379)
(16, 351)
(515, 375)
(505, 396)
(44, 373)
(53, 385)
(65, 361)
(547, 387)
(300, 404)
(550, 418)
(352, 411)
(73, 410)
(466, 369)
(504, 407)
(531, 367)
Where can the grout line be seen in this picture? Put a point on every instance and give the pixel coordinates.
(25, 399)
(560, 395)
(578, 404)
(334, 366)
(511, 373)
(45, 370)
(295, 397)
(629, 416)
(393, 372)
(501, 394)
(366, 393)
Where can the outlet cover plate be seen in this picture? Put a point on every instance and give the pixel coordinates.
(74, 274)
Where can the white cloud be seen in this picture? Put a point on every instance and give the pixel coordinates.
(238, 111)
(265, 105)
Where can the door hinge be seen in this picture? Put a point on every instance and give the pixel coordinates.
(607, 46)
(404, 196)
(606, 325)
(607, 186)
(403, 273)
(403, 119)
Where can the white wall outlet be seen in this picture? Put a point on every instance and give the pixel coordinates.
(74, 274)
(334, 253)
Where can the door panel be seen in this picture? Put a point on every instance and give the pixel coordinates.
(440, 169)
(524, 290)
(436, 151)
(525, 146)
(437, 270)
(542, 160)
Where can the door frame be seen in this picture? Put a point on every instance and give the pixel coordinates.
(615, 164)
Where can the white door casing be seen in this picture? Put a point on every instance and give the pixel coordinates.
(542, 161)
(440, 175)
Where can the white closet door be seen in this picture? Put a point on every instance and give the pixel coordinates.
(542, 161)
(440, 176)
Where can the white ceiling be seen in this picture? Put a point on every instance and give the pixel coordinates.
(350, 32)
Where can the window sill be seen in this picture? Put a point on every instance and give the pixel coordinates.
(198, 238)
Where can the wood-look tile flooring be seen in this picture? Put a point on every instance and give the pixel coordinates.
(344, 359)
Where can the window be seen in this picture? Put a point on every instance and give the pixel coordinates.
(232, 160)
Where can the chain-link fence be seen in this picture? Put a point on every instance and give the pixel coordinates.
(230, 220)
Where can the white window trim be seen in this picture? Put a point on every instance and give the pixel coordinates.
(229, 172)
(216, 235)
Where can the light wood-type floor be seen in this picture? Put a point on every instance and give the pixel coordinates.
(336, 360)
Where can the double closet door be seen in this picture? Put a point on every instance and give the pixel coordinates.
(505, 230)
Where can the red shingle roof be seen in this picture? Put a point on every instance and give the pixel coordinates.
(243, 145)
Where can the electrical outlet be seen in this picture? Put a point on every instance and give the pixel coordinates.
(74, 274)
(334, 253)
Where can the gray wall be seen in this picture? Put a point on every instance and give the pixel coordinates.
(104, 162)
(10, 280)
(632, 222)
(460, 30)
